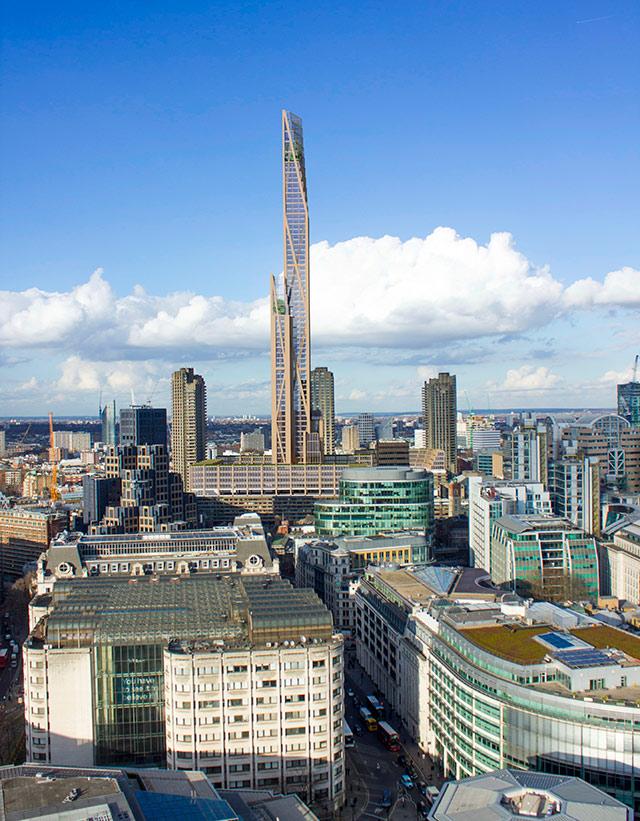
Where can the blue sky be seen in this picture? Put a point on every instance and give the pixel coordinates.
(143, 139)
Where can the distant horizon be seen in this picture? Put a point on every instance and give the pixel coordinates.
(267, 417)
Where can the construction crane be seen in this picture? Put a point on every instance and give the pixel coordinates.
(54, 494)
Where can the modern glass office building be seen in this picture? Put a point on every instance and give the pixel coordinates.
(378, 500)
(483, 685)
(544, 557)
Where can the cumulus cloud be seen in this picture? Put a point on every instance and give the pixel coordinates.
(528, 379)
(385, 294)
(616, 377)
(80, 375)
(619, 289)
(35, 318)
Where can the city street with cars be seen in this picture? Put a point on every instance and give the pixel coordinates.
(375, 775)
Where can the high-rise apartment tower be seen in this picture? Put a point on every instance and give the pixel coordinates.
(439, 409)
(290, 331)
(189, 418)
(322, 402)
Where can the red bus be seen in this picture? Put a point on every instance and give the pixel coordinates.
(4, 658)
(388, 736)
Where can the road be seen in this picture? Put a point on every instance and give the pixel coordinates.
(371, 768)
(11, 696)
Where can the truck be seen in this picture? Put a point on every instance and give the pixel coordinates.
(368, 720)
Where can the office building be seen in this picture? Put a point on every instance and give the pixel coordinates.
(629, 402)
(391, 453)
(236, 675)
(372, 501)
(333, 567)
(252, 442)
(506, 795)
(350, 439)
(108, 434)
(322, 402)
(240, 548)
(615, 444)
(484, 438)
(545, 557)
(620, 564)
(290, 310)
(366, 429)
(439, 411)
(490, 499)
(529, 452)
(98, 493)
(489, 462)
(24, 533)
(574, 485)
(188, 421)
(420, 439)
(72, 441)
(145, 794)
(271, 490)
(137, 494)
(483, 684)
(143, 425)
(3, 442)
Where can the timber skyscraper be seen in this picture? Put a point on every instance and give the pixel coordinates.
(291, 431)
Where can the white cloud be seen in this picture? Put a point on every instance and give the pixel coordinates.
(616, 377)
(356, 395)
(528, 379)
(619, 289)
(80, 375)
(367, 294)
(36, 318)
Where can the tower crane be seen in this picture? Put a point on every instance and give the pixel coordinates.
(55, 495)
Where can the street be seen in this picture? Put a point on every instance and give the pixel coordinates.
(371, 768)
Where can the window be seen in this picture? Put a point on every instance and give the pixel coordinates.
(319, 663)
(268, 765)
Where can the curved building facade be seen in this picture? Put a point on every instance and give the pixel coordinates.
(482, 685)
(378, 500)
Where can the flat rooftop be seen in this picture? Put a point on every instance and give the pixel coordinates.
(517, 643)
(511, 642)
(234, 609)
(31, 797)
(511, 794)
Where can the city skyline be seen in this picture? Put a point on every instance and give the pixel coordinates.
(509, 297)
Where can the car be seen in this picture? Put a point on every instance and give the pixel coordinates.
(387, 798)
(350, 692)
(422, 788)
(401, 761)
(357, 729)
(406, 781)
